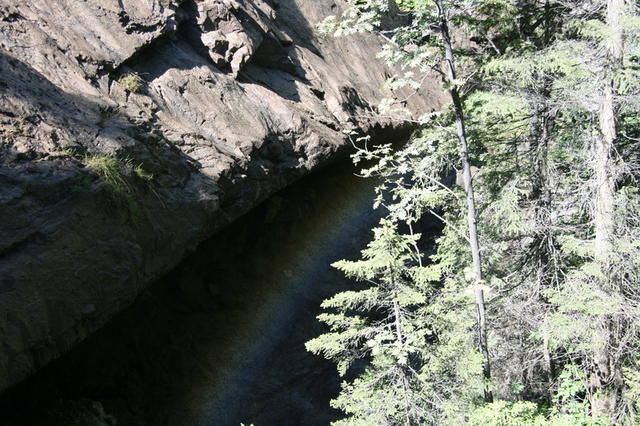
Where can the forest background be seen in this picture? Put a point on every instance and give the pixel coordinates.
(528, 310)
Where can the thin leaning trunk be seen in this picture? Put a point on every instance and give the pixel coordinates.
(396, 313)
(471, 205)
(605, 376)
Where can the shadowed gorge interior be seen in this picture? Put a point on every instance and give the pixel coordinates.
(220, 340)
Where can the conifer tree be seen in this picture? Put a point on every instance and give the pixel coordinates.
(430, 28)
(605, 379)
(582, 315)
(551, 106)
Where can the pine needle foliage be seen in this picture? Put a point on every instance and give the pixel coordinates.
(561, 279)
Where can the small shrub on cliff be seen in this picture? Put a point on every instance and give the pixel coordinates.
(107, 111)
(132, 82)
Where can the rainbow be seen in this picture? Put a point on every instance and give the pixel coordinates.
(294, 268)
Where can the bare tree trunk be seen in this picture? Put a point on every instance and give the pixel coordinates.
(396, 313)
(604, 376)
(468, 186)
(605, 192)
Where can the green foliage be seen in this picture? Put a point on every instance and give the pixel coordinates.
(120, 176)
(142, 174)
(116, 172)
(631, 376)
(377, 323)
(508, 413)
(572, 411)
(532, 98)
(411, 5)
(132, 82)
(406, 5)
(111, 170)
(107, 111)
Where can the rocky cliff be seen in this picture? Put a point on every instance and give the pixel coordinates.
(130, 130)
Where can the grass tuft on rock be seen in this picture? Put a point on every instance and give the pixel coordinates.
(112, 170)
(117, 172)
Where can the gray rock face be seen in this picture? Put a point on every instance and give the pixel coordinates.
(232, 100)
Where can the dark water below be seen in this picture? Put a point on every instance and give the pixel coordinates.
(220, 340)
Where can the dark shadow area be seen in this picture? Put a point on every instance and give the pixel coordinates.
(275, 65)
(297, 24)
(220, 340)
(183, 50)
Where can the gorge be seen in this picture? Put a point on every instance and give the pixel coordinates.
(312, 212)
(220, 339)
(133, 130)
